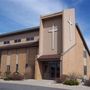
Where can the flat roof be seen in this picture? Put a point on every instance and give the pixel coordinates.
(26, 30)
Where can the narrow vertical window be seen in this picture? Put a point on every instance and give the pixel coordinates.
(16, 67)
(16, 60)
(85, 61)
(26, 65)
(85, 70)
(8, 68)
(85, 54)
(27, 57)
(8, 60)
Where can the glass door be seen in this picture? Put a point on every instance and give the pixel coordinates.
(51, 70)
(54, 70)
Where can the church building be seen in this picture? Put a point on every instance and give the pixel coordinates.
(56, 47)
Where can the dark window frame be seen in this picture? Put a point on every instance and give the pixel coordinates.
(17, 67)
(8, 68)
(29, 38)
(17, 40)
(6, 42)
(85, 70)
(85, 53)
(26, 65)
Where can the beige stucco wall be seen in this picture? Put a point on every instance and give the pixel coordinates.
(73, 60)
(13, 61)
(3, 62)
(22, 58)
(38, 70)
(45, 41)
(32, 57)
(68, 29)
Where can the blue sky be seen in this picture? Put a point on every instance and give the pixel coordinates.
(19, 14)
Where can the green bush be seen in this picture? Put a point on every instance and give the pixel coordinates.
(7, 75)
(71, 82)
(7, 78)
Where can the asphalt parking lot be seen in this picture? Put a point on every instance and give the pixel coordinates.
(6, 86)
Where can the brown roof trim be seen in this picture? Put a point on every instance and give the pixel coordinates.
(54, 56)
(26, 30)
(51, 15)
(84, 42)
(23, 45)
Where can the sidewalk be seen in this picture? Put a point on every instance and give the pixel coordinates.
(46, 83)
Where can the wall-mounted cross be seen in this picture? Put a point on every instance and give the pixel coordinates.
(53, 30)
(70, 24)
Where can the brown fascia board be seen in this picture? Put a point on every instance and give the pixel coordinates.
(45, 57)
(51, 15)
(81, 35)
(23, 45)
(26, 30)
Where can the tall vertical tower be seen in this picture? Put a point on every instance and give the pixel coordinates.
(57, 32)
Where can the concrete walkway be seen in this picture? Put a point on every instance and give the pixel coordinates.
(46, 83)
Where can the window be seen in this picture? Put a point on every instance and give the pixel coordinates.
(30, 38)
(16, 67)
(17, 40)
(16, 56)
(85, 54)
(8, 68)
(26, 65)
(6, 42)
(85, 70)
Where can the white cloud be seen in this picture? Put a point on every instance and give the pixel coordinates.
(41, 6)
(27, 12)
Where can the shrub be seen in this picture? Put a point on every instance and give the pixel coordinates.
(71, 82)
(87, 82)
(73, 76)
(7, 75)
(61, 79)
(7, 78)
(16, 76)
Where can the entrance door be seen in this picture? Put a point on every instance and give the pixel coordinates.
(54, 70)
(51, 69)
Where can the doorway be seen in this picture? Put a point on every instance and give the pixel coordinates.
(51, 70)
